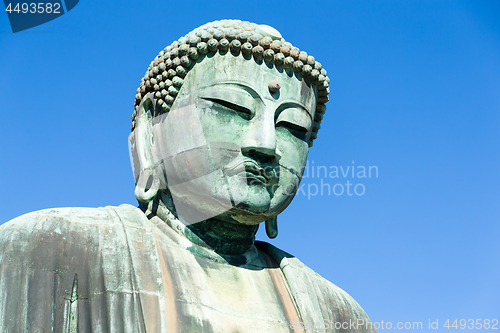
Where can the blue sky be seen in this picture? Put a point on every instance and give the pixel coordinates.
(415, 91)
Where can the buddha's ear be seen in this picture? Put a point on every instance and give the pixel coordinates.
(145, 163)
(272, 227)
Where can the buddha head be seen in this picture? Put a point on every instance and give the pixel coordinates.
(223, 121)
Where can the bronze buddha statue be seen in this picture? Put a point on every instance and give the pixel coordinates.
(223, 121)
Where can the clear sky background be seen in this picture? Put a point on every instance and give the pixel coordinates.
(415, 91)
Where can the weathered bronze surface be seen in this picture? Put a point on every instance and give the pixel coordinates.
(222, 124)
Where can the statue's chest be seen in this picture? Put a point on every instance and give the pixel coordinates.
(205, 296)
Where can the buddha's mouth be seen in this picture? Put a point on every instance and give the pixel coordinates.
(252, 171)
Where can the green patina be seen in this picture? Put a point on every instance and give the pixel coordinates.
(261, 43)
(223, 122)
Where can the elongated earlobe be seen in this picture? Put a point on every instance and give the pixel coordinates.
(143, 192)
(272, 227)
(144, 162)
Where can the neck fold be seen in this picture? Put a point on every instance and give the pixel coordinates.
(224, 238)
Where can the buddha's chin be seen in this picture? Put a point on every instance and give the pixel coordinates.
(247, 218)
(257, 201)
(253, 209)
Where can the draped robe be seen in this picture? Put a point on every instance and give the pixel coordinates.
(101, 270)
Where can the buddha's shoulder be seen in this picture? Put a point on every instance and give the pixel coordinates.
(315, 292)
(68, 223)
(289, 262)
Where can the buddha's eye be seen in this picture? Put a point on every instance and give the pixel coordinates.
(240, 110)
(295, 121)
(299, 131)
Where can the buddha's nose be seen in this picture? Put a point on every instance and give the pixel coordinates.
(260, 139)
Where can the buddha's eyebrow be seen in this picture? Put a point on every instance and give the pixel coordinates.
(249, 89)
(293, 104)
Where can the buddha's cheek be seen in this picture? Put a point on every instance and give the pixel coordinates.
(284, 192)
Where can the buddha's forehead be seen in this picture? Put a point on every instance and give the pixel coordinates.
(234, 72)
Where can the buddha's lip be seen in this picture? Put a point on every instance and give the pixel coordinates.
(251, 169)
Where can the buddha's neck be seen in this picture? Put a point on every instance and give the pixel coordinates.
(223, 237)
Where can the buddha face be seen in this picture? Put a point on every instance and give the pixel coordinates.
(231, 147)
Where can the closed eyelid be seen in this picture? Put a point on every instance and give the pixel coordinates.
(228, 104)
(292, 105)
(288, 113)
